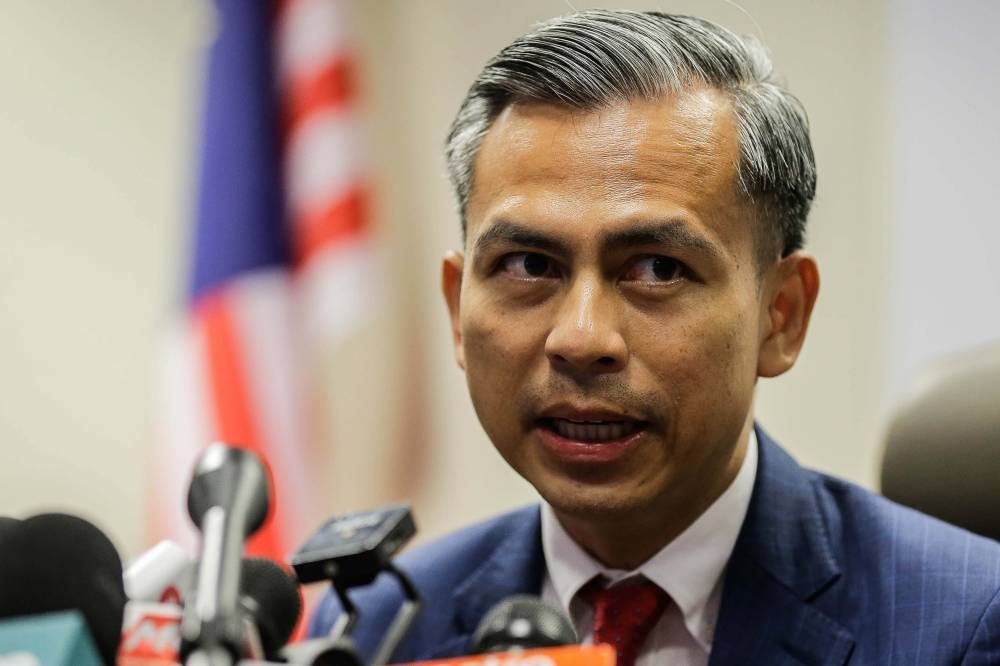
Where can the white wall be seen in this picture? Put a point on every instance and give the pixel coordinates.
(97, 132)
(944, 286)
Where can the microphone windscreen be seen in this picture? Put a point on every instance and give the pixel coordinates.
(56, 562)
(522, 621)
(234, 479)
(7, 524)
(272, 597)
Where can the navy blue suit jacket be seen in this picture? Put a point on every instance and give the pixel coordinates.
(823, 572)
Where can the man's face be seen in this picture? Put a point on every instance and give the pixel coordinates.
(608, 311)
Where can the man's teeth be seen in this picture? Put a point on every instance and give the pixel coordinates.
(602, 431)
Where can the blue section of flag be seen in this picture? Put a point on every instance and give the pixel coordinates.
(240, 223)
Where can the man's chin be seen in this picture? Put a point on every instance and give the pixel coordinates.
(594, 505)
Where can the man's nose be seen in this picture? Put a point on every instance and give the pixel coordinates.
(586, 336)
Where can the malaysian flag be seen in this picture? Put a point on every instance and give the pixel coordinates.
(280, 259)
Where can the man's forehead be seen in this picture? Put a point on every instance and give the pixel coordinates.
(696, 118)
(549, 158)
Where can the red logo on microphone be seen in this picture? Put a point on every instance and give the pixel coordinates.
(152, 635)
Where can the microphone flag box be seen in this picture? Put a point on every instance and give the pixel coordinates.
(151, 635)
(571, 655)
(50, 639)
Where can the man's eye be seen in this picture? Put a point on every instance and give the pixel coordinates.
(526, 265)
(655, 269)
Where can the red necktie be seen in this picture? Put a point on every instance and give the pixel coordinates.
(624, 614)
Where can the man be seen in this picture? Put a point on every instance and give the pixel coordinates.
(634, 190)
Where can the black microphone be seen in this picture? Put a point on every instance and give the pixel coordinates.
(228, 500)
(270, 606)
(270, 597)
(56, 562)
(6, 525)
(522, 622)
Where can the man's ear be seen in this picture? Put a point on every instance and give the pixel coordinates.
(792, 292)
(451, 286)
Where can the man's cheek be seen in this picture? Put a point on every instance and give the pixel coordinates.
(491, 335)
(702, 359)
(482, 339)
(728, 365)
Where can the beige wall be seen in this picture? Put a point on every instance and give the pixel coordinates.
(98, 133)
(95, 142)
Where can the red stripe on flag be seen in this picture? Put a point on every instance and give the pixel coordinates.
(232, 405)
(345, 217)
(282, 7)
(328, 87)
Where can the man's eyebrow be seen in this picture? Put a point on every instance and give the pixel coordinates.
(672, 233)
(504, 231)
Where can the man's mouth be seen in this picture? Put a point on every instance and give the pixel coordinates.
(591, 432)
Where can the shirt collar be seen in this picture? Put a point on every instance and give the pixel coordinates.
(689, 568)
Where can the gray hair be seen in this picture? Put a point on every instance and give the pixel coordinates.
(595, 58)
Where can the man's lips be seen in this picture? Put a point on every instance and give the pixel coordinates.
(589, 439)
(591, 431)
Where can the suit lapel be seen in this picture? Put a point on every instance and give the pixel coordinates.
(516, 566)
(781, 565)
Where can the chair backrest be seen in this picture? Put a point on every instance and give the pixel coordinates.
(942, 454)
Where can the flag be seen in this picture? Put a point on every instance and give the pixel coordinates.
(279, 260)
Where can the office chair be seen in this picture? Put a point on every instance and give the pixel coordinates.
(942, 454)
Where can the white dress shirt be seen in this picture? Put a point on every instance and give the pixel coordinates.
(690, 569)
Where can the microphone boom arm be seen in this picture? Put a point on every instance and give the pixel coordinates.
(403, 620)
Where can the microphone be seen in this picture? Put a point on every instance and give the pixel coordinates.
(56, 562)
(6, 525)
(529, 631)
(271, 599)
(351, 551)
(228, 501)
(156, 583)
(522, 622)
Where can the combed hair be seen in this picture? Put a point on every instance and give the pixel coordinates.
(597, 58)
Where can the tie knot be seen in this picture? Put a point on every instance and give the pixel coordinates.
(624, 614)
